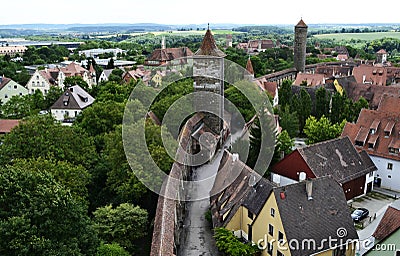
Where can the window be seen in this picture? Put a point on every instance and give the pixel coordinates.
(15, 87)
(250, 214)
(280, 236)
(390, 166)
(271, 230)
(272, 212)
(270, 248)
(6, 96)
(389, 176)
(339, 252)
(371, 174)
(278, 253)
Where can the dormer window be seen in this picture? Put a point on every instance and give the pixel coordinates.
(372, 131)
(359, 143)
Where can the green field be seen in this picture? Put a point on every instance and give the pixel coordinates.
(195, 32)
(359, 36)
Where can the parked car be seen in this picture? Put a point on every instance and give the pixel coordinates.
(359, 214)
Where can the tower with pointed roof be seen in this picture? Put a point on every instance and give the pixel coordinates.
(249, 67)
(208, 72)
(300, 43)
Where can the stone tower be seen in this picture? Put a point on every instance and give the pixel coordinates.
(300, 43)
(208, 72)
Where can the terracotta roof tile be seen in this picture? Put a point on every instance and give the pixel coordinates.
(249, 66)
(209, 46)
(169, 54)
(4, 82)
(390, 223)
(6, 125)
(301, 24)
(387, 132)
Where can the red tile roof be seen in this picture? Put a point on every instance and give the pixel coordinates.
(312, 79)
(385, 121)
(169, 54)
(382, 51)
(370, 75)
(6, 125)
(301, 24)
(209, 46)
(4, 82)
(249, 67)
(390, 223)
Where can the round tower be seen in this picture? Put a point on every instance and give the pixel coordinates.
(300, 43)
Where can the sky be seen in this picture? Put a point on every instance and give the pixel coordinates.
(173, 12)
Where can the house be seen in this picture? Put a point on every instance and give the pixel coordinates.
(310, 79)
(71, 104)
(335, 71)
(95, 53)
(13, 50)
(263, 83)
(388, 231)
(131, 75)
(294, 219)
(270, 87)
(10, 88)
(377, 133)
(105, 74)
(165, 56)
(6, 125)
(337, 158)
(43, 79)
(365, 74)
(256, 46)
(381, 56)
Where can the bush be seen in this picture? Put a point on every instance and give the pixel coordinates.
(228, 243)
(111, 250)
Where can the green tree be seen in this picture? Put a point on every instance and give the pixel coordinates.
(101, 117)
(40, 136)
(322, 129)
(39, 216)
(229, 244)
(52, 96)
(113, 249)
(304, 108)
(341, 108)
(74, 177)
(123, 224)
(285, 93)
(322, 102)
(76, 80)
(289, 121)
(356, 109)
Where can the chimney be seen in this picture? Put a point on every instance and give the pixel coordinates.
(302, 176)
(364, 76)
(309, 185)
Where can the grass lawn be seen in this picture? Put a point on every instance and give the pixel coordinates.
(359, 36)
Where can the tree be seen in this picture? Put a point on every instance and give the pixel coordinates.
(322, 102)
(73, 177)
(304, 108)
(39, 216)
(123, 224)
(229, 244)
(341, 108)
(110, 64)
(356, 108)
(116, 76)
(285, 93)
(113, 249)
(322, 129)
(40, 136)
(101, 117)
(76, 80)
(289, 121)
(52, 96)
